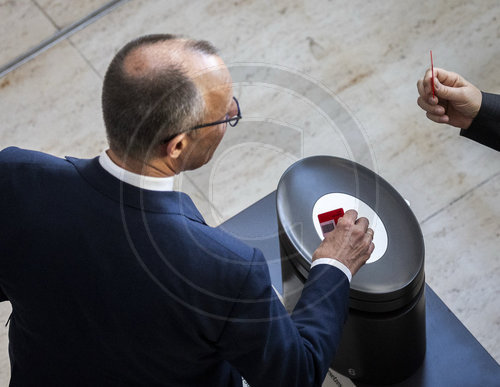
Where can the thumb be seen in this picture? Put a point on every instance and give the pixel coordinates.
(449, 93)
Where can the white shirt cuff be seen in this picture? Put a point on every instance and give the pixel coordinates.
(333, 262)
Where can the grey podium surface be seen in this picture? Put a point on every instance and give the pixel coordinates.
(453, 358)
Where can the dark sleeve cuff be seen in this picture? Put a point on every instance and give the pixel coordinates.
(485, 128)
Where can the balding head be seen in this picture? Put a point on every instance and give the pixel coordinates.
(153, 56)
(157, 86)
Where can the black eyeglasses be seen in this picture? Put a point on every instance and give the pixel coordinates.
(232, 121)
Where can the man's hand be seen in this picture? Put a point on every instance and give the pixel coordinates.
(350, 242)
(456, 101)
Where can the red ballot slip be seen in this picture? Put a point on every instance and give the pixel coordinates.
(328, 220)
(432, 79)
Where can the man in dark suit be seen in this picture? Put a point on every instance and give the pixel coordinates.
(116, 280)
(459, 103)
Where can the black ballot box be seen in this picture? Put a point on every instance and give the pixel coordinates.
(453, 356)
(383, 340)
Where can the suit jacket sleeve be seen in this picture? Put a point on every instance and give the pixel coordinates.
(3, 297)
(271, 349)
(3, 152)
(485, 128)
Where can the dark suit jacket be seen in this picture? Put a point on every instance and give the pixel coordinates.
(112, 285)
(485, 128)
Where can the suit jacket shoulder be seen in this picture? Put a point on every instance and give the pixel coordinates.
(14, 155)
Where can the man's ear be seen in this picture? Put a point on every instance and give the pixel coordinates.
(176, 146)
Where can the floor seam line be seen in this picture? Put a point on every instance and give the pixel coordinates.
(52, 21)
(59, 35)
(459, 198)
(86, 60)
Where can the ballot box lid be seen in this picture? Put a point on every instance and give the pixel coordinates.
(396, 275)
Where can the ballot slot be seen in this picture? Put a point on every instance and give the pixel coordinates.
(343, 202)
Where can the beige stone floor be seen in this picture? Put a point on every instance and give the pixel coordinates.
(313, 77)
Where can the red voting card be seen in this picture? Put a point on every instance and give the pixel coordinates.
(328, 220)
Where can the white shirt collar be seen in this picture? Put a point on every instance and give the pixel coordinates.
(141, 181)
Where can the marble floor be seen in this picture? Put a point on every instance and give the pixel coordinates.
(312, 77)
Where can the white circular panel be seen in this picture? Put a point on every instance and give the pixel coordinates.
(347, 202)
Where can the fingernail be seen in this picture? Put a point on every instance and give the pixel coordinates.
(436, 83)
